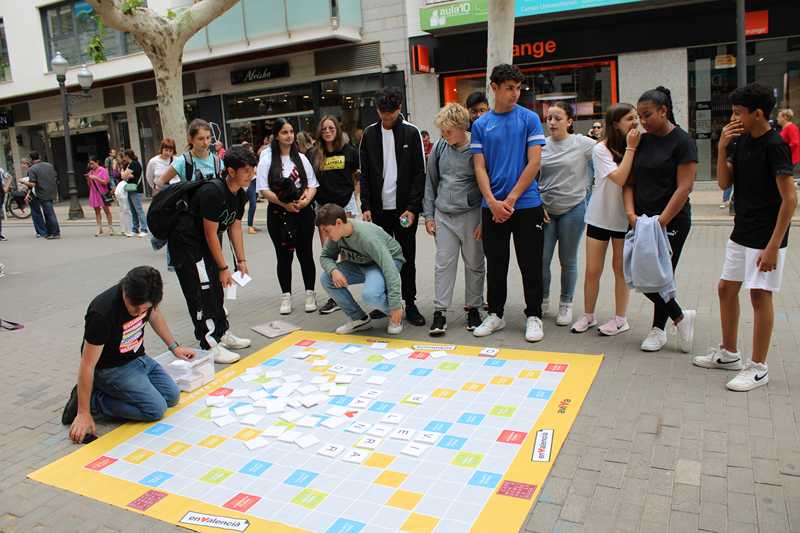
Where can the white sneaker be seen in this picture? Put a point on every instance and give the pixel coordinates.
(286, 303)
(490, 324)
(753, 375)
(686, 331)
(129, 234)
(394, 329)
(354, 325)
(583, 324)
(614, 327)
(311, 302)
(564, 317)
(224, 356)
(142, 234)
(545, 306)
(232, 342)
(533, 329)
(719, 357)
(655, 340)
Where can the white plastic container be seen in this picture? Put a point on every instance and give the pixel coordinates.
(189, 375)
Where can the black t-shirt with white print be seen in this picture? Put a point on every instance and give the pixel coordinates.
(756, 198)
(108, 324)
(211, 203)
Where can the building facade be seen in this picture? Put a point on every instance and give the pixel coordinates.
(596, 53)
(261, 60)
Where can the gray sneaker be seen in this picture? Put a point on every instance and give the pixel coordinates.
(354, 325)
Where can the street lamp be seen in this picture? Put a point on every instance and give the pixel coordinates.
(85, 79)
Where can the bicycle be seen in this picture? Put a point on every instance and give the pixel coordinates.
(17, 202)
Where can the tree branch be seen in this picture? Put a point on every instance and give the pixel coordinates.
(200, 15)
(141, 22)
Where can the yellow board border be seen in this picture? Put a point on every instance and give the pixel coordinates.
(501, 513)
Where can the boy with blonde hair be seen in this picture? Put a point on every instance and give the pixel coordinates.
(452, 211)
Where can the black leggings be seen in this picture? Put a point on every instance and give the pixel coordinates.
(303, 242)
(677, 233)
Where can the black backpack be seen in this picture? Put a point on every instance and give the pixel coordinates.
(171, 202)
(188, 160)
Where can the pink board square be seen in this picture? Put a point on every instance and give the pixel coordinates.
(516, 489)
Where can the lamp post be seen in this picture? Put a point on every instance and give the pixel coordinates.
(85, 79)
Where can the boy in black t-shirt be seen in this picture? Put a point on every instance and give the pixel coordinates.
(116, 378)
(195, 246)
(759, 166)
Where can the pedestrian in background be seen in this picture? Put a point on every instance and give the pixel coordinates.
(98, 182)
(43, 182)
(477, 104)
(563, 183)
(132, 174)
(790, 134)
(111, 165)
(5, 187)
(159, 164)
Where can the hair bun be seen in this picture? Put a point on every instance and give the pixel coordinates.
(664, 90)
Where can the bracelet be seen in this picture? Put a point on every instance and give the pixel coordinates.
(631, 149)
(173, 345)
(223, 269)
(242, 261)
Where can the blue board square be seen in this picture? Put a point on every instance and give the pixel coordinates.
(452, 443)
(540, 394)
(300, 478)
(381, 407)
(158, 429)
(383, 367)
(271, 389)
(343, 525)
(420, 371)
(255, 467)
(237, 404)
(272, 362)
(471, 418)
(494, 362)
(488, 480)
(155, 479)
(437, 426)
(341, 400)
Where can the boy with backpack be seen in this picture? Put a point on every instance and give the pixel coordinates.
(759, 166)
(192, 216)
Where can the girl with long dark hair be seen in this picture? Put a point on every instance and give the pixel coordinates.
(612, 158)
(286, 178)
(662, 178)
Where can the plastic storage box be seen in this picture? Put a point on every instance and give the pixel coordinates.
(189, 375)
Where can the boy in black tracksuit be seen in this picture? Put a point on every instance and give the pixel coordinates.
(195, 246)
(392, 185)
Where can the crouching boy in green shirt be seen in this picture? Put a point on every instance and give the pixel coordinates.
(360, 252)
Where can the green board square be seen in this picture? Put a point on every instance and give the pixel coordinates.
(405, 401)
(503, 410)
(261, 380)
(309, 498)
(204, 413)
(216, 476)
(286, 424)
(375, 359)
(449, 366)
(467, 459)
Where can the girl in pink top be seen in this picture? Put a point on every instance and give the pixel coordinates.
(97, 180)
(790, 133)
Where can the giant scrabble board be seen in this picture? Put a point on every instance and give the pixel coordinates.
(325, 433)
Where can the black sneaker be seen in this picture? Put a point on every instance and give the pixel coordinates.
(377, 314)
(330, 307)
(71, 409)
(2, 238)
(413, 316)
(473, 319)
(439, 324)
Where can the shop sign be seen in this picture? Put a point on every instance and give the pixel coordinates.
(725, 61)
(260, 73)
(536, 50)
(756, 23)
(461, 12)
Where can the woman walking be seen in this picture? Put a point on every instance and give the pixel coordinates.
(563, 183)
(98, 181)
(663, 176)
(159, 164)
(612, 159)
(286, 178)
(132, 174)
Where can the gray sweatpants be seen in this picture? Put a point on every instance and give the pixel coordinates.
(455, 233)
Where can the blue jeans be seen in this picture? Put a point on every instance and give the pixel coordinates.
(140, 390)
(252, 197)
(137, 212)
(44, 217)
(567, 230)
(726, 194)
(374, 292)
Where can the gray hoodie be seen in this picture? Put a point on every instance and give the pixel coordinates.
(450, 183)
(647, 259)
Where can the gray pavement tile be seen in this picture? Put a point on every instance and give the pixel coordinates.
(740, 480)
(713, 517)
(680, 522)
(688, 472)
(714, 489)
(771, 508)
(575, 508)
(686, 498)
(543, 518)
(741, 508)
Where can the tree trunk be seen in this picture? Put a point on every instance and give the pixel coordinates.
(500, 46)
(168, 70)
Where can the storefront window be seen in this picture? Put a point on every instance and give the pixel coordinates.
(250, 116)
(5, 62)
(351, 100)
(712, 76)
(150, 132)
(590, 87)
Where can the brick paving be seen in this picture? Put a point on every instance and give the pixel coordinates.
(659, 445)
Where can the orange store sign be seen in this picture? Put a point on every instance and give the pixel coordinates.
(536, 50)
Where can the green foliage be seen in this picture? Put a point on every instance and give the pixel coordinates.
(171, 15)
(96, 49)
(127, 6)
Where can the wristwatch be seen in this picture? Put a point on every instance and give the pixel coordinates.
(172, 346)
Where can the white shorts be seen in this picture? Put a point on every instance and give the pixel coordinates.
(740, 265)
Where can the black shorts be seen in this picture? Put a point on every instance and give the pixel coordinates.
(601, 234)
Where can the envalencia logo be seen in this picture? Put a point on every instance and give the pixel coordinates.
(217, 522)
(543, 446)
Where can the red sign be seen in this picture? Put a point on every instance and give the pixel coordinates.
(536, 50)
(756, 23)
(555, 367)
(305, 343)
(222, 391)
(419, 355)
(147, 500)
(512, 437)
(421, 58)
(242, 502)
(100, 463)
